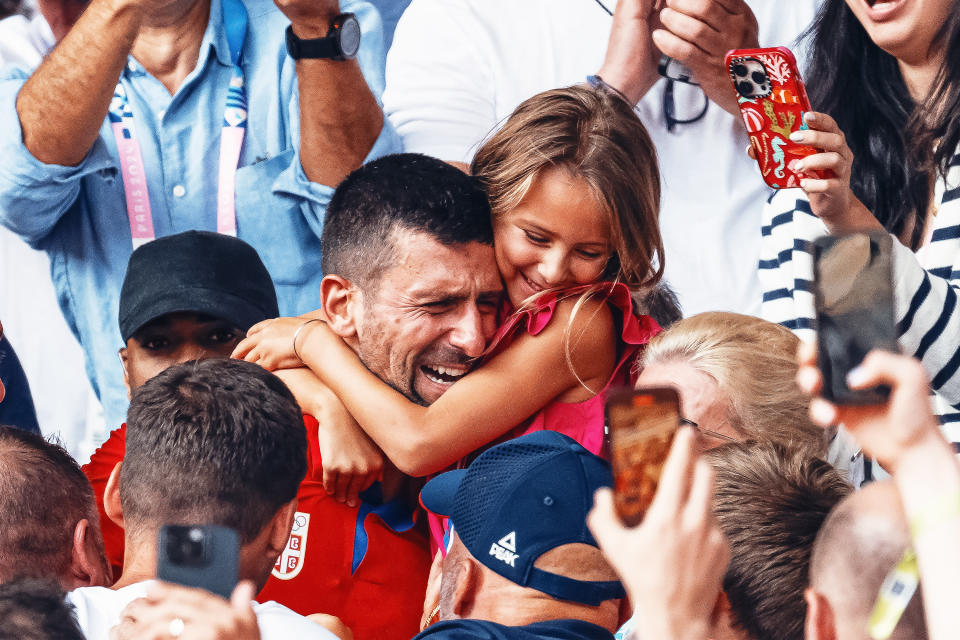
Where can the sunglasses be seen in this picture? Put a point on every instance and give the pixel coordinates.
(707, 432)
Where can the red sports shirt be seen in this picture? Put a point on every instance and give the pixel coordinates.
(344, 561)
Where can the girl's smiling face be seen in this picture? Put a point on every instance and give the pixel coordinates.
(558, 236)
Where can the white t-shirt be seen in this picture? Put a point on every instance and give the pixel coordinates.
(458, 67)
(98, 611)
(51, 357)
(24, 41)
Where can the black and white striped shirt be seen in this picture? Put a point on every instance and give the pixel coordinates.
(926, 286)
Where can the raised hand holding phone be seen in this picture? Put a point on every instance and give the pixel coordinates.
(672, 564)
(642, 426)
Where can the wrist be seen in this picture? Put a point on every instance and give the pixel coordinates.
(314, 26)
(632, 89)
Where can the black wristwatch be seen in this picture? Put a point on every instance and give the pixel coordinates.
(341, 42)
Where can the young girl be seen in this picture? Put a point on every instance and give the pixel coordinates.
(574, 188)
(886, 77)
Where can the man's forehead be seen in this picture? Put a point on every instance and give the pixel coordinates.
(425, 267)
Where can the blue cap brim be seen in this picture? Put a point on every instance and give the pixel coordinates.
(437, 496)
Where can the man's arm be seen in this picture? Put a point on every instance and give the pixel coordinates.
(340, 118)
(63, 104)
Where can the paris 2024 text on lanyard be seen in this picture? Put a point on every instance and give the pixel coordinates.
(231, 141)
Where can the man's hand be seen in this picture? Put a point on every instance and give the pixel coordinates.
(698, 33)
(673, 563)
(310, 18)
(204, 616)
(630, 64)
(889, 432)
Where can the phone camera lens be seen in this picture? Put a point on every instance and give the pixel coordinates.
(759, 77)
(740, 70)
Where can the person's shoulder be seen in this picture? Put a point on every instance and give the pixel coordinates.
(277, 622)
(98, 608)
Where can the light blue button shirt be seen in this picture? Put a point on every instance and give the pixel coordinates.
(78, 214)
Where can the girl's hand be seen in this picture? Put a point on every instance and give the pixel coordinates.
(351, 461)
(270, 343)
(831, 198)
(889, 432)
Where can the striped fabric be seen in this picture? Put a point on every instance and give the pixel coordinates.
(926, 286)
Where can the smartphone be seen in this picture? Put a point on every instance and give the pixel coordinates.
(202, 556)
(773, 101)
(642, 425)
(853, 294)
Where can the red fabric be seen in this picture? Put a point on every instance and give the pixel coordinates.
(382, 600)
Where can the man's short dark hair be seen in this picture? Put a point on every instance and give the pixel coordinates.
(770, 501)
(33, 609)
(213, 441)
(405, 191)
(43, 495)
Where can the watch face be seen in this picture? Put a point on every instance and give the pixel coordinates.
(350, 37)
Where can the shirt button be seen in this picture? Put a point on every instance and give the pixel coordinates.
(179, 191)
(160, 114)
(132, 65)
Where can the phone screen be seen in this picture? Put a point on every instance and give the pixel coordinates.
(642, 426)
(854, 301)
(202, 556)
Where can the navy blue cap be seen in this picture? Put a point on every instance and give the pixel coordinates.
(521, 499)
(196, 272)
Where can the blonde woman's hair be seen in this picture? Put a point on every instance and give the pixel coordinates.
(597, 137)
(754, 363)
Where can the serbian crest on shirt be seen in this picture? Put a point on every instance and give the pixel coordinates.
(291, 561)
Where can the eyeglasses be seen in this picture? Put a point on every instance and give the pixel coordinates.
(707, 432)
(670, 107)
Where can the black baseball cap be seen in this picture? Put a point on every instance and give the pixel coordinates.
(520, 499)
(196, 272)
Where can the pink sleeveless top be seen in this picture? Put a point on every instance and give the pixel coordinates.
(582, 421)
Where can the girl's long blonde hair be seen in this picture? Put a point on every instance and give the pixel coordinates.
(597, 137)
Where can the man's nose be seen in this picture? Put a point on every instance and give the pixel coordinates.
(553, 267)
(468, 333)
(190, 352)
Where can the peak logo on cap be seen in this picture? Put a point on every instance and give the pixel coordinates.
(505, 549)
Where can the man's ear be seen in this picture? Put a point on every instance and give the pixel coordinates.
(111, 497)
(280, 527)
(88, 567)
(339, 299)
(465, 590)
(125, 363)
(820, 624)
(721, 618)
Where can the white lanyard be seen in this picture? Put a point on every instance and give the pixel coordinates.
(231, 141)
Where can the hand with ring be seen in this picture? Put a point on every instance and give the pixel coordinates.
(173, 611)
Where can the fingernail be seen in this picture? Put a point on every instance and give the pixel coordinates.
(856, 377)
(803, 184)
(351, 503)
(808, 117)
(796, 136)
(822, 412)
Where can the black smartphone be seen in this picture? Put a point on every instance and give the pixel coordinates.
(202, 556)
(642, 425)
(853, 293)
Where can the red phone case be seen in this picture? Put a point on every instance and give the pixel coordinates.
(774, 112)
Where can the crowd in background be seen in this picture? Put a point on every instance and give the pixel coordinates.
(354, 279)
